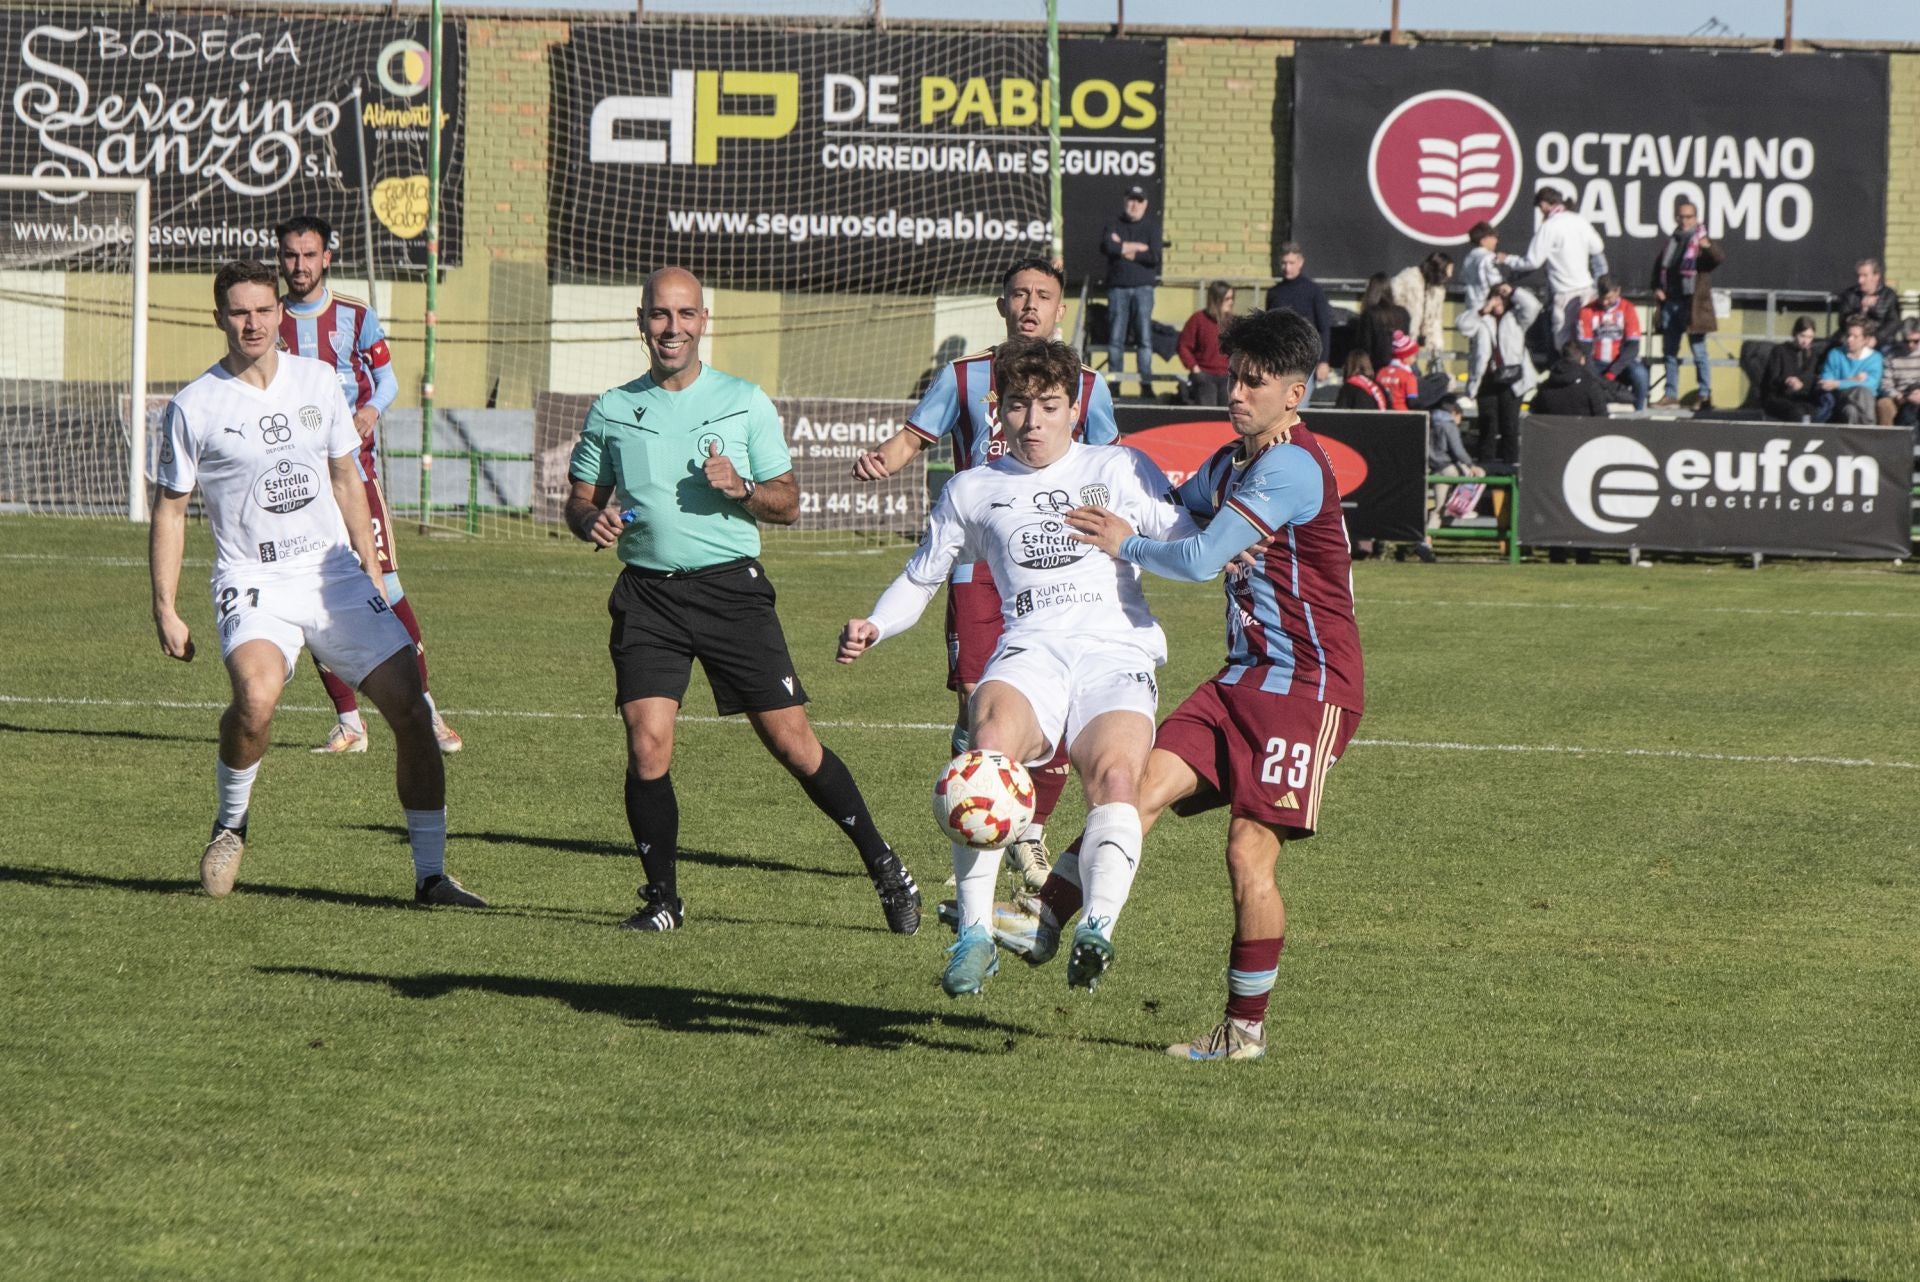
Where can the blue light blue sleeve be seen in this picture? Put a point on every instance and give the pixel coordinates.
(1286, 488)
(386, 387)
(1195, 494)
(939, 409)
(1102, 428)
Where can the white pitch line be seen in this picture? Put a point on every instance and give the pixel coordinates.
(1361, 603)
(1414, 745)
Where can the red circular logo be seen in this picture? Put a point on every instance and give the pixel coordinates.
(1441, 162)
(1181, 449)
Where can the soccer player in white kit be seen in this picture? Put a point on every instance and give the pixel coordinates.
(268, 439)
(1077, 657)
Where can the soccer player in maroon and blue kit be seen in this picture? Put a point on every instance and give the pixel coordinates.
(1260, 736)
(961, 409)
(344, 332)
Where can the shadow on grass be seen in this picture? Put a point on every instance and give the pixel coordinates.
(66, 879)
(143, 736)
(573, 846)
(693, 1010)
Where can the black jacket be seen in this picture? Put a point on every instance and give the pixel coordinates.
(1787, 360)
(1571, 388)
(1883, 318)
(1303, 297)
(1141, 269)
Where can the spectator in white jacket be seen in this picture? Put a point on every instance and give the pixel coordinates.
(1482, 271)
(1499, 374)
(1422, 290)
(1572, 254)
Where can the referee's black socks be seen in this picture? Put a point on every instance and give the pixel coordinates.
(653, 813)
(832, 788)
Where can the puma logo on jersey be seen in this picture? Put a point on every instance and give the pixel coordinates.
(239, 432)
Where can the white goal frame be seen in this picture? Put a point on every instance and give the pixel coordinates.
(142, 193)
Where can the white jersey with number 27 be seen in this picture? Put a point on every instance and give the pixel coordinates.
(260, 457)
(1011, 516)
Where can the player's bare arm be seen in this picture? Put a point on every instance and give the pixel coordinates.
(364, 420)
(894, 453)
(351, 495)
(856, 639)
(589, 517)
(165, 541)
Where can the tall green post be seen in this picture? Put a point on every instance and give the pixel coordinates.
(433, 265)
(1053, 130)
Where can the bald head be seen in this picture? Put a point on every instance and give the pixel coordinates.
(673, 317)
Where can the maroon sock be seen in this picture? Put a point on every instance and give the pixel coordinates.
(337, 690)
(1048, 780)
(403, 611)
(1251, 964)
(1061, 896)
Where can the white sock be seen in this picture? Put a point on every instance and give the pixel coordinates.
(351, 720)
(1034, 832)
(427, 834)
(974, 873)
(431, 706)
(235, 788)
(1109, 856)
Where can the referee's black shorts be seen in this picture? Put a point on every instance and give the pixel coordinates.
(723, 616)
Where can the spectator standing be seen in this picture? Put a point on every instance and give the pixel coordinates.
(1397, 377)
(1199, 349)
(1358, 390)
(1571, 387)
(1899, 401)
(1787, 390)
(1850, 376)
(1571, 252)
(1131, 243)
(1610, 331)
(1380, 318)
(1870, 296)
(1422, 290)
(1683, 286)
(1300, 294)
(1482, 272)
(1498, 371)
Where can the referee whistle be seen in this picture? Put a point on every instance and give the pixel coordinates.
(627, 517)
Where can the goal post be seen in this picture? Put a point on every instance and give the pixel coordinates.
(40, 255)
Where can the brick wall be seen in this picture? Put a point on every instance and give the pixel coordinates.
(1228, 163)
(1903, 172)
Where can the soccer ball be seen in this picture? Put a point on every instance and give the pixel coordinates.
(983, 799)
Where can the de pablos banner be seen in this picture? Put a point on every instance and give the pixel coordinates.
(1400, 151)
(839, 161)
(239, 121)
(1785, 489)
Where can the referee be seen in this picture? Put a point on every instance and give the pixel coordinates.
(655, 474)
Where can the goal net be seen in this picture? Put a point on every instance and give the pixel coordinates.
(74, 411)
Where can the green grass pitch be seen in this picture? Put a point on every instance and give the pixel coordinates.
(1603, 967)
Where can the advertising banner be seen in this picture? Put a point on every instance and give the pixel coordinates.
(823, 435)
(1399, 151)
(1379, 459)
(837, 160)
(1786, 489)
(239, 120)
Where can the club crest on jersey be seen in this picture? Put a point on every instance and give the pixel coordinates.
(311, 417)
(285, 487)
(1095, 495)
(342, 342)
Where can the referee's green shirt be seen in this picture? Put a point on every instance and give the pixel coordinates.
(650, 445)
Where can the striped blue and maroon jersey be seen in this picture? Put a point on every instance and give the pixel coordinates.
(1290, 625)
(345, 334)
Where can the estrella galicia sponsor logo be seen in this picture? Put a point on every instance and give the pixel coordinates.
(1095, 496)
(1045, 545)
(1023, 604)
(1614, 483)
(268, 552)
(286, 487)
(311, 418)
